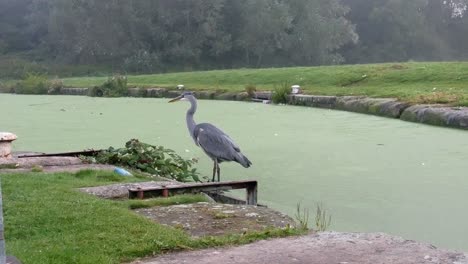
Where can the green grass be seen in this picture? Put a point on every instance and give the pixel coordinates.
(413, 82)
(48, 221)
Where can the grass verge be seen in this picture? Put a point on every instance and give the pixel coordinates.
(418, 82)
(48, 221)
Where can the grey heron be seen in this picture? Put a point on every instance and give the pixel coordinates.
(214, 142)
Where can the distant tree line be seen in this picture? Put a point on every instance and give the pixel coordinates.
(161, 35)
(402, 30)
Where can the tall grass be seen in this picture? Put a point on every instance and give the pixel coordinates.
(322, 218)
(280, 93)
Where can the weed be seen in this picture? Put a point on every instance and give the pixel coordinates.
(302, 217)
(221, 215)
(322, 219)
(280, 94)
(37, 168)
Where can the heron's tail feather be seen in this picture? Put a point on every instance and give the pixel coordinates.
(243, 160)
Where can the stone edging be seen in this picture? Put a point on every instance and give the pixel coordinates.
(439, 115)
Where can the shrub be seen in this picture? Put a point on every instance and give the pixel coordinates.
(152, 159)
(115, 86)
(32, 84)
(280, 94)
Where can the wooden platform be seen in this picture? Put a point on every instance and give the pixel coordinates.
(165, 191)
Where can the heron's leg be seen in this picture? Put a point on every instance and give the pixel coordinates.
(214, 170)
(218, 169)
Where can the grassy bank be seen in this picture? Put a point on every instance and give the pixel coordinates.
(47, 221)
(435, 82)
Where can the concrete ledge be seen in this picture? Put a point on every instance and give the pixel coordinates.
(456, 117)
(388, 107)
(313, 100)
(74, 91)
(437, 115)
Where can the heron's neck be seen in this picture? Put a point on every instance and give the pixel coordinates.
(189, 117)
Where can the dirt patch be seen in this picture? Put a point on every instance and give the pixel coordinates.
(202, 219)
(322, 248)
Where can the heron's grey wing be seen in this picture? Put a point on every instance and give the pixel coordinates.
(215, 142)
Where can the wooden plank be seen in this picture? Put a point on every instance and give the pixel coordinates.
(250, 186)
(252, 194)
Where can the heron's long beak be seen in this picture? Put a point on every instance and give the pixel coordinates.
(176, 99)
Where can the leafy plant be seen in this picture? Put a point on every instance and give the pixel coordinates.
(148, 158)
(322, 219)
(280, 94)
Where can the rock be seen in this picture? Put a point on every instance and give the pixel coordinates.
(266, 95)
(244, 96)
(437, 115)
(5, 144)
(388, 107)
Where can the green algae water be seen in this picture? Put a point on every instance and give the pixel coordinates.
(372, 174)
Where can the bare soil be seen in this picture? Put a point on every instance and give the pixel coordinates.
(203, 219)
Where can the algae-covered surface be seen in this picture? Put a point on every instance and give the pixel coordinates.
(372, 174)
